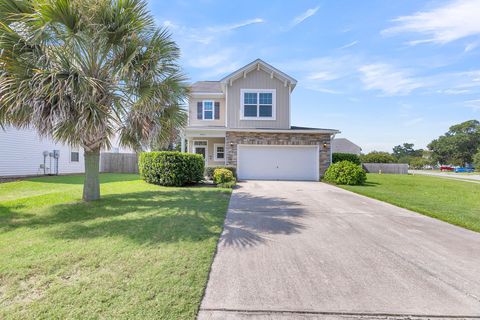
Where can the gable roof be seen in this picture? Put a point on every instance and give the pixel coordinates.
(260, 64)
(206, 87)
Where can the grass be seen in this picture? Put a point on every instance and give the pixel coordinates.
(141, 252)
(453, 201)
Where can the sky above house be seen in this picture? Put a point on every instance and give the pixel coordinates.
(381, 72)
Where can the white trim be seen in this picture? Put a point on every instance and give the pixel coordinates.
(258, 64)
(223, 130)
(215, 146)
(226, 106)
(316, 146)
(257, 91)
(207, 93)
(203, 110)
(204, 147)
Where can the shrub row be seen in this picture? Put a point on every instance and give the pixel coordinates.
(171, 168)
(339, 156)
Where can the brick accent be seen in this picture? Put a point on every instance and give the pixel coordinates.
(234, 138)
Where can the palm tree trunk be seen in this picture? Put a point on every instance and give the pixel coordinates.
(91, 186)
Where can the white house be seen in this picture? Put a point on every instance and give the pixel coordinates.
(24, 153)
(244, 121)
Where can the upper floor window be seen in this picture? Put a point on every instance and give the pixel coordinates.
(208, 110)
(258, 104)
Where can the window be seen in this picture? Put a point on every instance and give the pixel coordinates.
(207, 110)
(74, 155)
(258, 104)
(219, 154)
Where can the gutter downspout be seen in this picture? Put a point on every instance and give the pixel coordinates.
(332, 136)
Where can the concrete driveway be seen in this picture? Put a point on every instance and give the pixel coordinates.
(307, 250)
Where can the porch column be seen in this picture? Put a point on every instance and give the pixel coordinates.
(182, 143)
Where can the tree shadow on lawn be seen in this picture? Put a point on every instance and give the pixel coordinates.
(145, 217)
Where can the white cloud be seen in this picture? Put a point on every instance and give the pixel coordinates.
(304, 16)
(322, 89)
(474, 104)
(389, 79)
(455, 20)
(230, 27)
(412, 122)
(471, 46)
(322, 76)
(348, 45)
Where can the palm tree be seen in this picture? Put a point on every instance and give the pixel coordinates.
(81, 71)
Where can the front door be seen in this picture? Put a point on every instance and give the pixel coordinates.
(202, 151)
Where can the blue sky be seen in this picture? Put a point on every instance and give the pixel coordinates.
(382, 72)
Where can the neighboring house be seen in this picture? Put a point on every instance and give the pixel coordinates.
(345, 146)
(243, 121)
(24, 153)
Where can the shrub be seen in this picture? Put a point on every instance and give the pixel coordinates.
(345, 172)
(224, 178)
(171, 168)
(209, 171)
(339, 156)
(418, 163)
(378, 157)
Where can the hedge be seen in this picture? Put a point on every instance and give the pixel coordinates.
(171, 168)
(339, 156)
(345, 172)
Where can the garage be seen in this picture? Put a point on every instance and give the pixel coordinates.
(278, 162)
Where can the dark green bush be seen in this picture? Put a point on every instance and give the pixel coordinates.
(223, 178)
(209, 171)
(171, 168)
(345, 172)
(378, 157)
(339, 156)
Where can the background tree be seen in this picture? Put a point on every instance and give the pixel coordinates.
(406, 150)
(458, 145)
(476, 160)
(377, 157)
(82, 71)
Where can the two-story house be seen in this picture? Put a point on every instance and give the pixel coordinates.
(243, 120)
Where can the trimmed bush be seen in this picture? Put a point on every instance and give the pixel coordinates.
(209, 171)
(223, 178)
(339, 156)
(171, 168)
(345, 172)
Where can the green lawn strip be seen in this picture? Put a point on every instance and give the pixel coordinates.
(142, 251)
(450, 200)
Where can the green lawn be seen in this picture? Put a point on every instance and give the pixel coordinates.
(453, 201)
(141, 252)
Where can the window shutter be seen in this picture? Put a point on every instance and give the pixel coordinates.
(199, 110)
(217, 110)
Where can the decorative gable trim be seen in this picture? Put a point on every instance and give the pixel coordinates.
(260, 65)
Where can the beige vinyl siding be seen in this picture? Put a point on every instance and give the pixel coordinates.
(258, 79)
(192, 116)
(210, 150)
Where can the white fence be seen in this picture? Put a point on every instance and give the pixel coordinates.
(396, 168)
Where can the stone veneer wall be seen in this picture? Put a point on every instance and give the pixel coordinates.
(267, 138)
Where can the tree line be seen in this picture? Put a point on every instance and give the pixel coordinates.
(459, 146)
